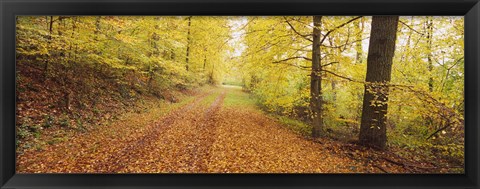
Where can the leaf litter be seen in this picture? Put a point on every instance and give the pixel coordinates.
(202, 136)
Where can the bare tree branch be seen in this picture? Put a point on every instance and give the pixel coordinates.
(294, 65)
(339, 26)
(437, 131)
(305, 36)
(343, 77)
(248, 23)
(291, 58)
(344, 45)
(411, 28)
(330, 63)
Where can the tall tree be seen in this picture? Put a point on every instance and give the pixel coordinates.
(429, 25)
(188, 42)
(379, 68)
(50, 29)
(358, 39)
(316, 80)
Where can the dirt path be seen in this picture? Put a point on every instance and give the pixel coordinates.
(186, 148)
(202, 136)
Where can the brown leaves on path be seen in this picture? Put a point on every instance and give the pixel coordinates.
(102, 149)
(250, 142)
(183, 149)
(200, 137)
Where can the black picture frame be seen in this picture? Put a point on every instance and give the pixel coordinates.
(10, 8)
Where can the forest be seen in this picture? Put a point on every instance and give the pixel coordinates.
(240, 94)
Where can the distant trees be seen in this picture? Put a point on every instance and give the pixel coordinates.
(157, 50)
(379, 68)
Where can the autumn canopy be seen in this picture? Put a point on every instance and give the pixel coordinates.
(276, 94)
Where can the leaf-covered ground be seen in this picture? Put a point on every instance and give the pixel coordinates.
(216, 131)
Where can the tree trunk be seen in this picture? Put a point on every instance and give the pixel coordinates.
(188, 42)
(50, 29)
(150, 80)
(51, 25)
(97, 26)
(429, 24)
(379, 66)
(211, 73)
(316, 81)
(358, 39)
(204, 58)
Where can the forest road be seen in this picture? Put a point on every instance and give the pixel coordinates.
(219, 131)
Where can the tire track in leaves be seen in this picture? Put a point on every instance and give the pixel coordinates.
(205, 137)
(183, 149)
(117, 161)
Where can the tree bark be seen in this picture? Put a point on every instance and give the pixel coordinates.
(204, 58)
(429, 24)
(188, 42)
(47, 60)
(358, 43)
(379, 66)
(97, 26)
(316, 81)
